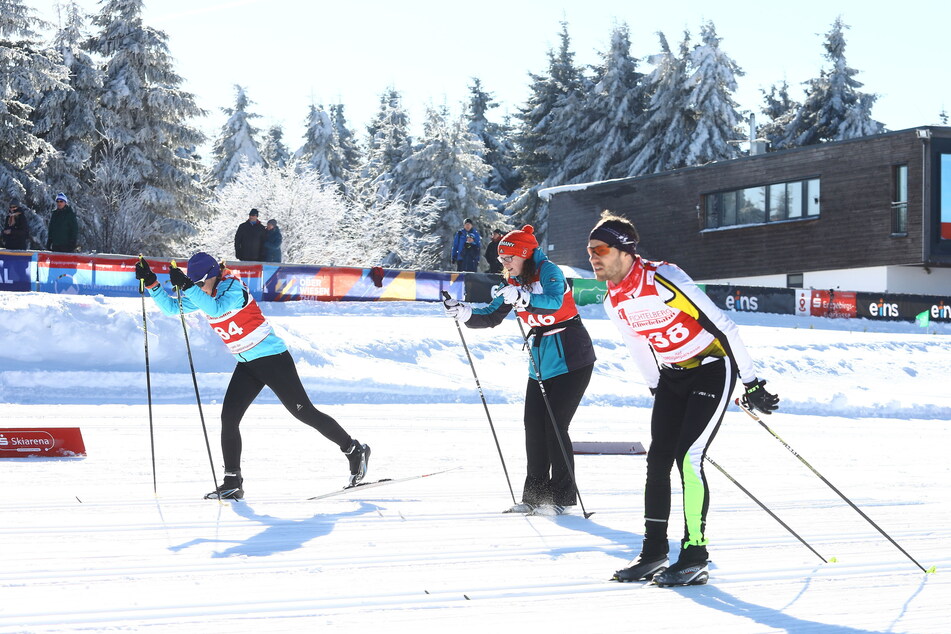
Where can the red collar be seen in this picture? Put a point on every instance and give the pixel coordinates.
(629, 285)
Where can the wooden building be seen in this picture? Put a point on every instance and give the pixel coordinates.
(864, 214)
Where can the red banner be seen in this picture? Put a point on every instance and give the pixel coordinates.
(48, 442)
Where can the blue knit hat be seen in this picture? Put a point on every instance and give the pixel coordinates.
(201, 266)
(62, 196)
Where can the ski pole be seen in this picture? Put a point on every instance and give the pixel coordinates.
(763, 506)
(746, 408)
(446, 295)
(191, 364)
(554, 423)
(148, 381)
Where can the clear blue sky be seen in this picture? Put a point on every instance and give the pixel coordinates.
(290, 53)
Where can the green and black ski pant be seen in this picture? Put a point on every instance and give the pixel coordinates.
(688, 408)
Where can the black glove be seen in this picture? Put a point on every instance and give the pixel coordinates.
(144, 272)
(179, 279)
(757, 398)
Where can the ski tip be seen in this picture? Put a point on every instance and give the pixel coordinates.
(932, 570)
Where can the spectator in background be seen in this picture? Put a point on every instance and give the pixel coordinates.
(16, 233)
(466, 247)
(63, 231)
(249, 239)
(492, 252)
(272, 242)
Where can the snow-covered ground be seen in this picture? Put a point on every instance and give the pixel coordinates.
(85, 545)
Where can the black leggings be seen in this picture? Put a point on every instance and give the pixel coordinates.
(548, 480)
(687, 412)
(278, 372)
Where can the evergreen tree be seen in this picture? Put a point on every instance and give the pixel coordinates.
(615, 105)
(66, 117)
(319, 152)
(144, 115)
(779, 109)
(236, 146)
(499, 152)
(388, 143)
(548, 133)
(447, 165)
(668, 123)
(348, 149)
(716, 121)
(275, 153)
(26, 73)
(833, 109)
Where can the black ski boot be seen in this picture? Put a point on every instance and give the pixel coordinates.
(691, 569)
(358, 455)
(642, 568)
(229, 489)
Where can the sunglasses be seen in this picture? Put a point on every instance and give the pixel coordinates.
(600, 250)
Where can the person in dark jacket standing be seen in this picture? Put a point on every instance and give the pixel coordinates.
(466, 247)
(16, 233)
(249, 239)
(63, 231)
(272, 242)
(492, 252)
(562, 353)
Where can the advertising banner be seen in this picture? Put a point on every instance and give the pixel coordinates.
(903, 307)
(328, 283)
(753, 299)
(15, 274)
(587, 291)
(47, 442)
(832, 303)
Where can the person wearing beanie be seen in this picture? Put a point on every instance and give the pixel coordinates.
(16, 233)
(689, 353)
(466, 248)
(63, 231)
(272, 242)
(492, 252)
(249, 239)
(263, 360)
(562, 354)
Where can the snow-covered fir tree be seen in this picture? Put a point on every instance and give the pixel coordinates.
(447, 165)
(614, 105)
(542, 135)
(320, 151)
(388, 143)
(833, 109)
(66, 118)
(236, 145)
(716, 121)
(274, 152)
(27, 72)
(668, 124)
(499, 153)
(144, 115)
(779, 109)
(347, 147)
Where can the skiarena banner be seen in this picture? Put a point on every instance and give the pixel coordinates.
(114, 276)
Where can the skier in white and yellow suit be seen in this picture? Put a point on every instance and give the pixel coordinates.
(689, 353)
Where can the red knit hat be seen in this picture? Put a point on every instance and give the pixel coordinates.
(519, 243)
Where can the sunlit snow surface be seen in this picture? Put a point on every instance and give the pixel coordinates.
(85, 545)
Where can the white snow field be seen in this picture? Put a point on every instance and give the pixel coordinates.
(86, 545)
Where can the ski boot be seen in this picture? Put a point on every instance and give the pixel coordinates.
(358, 455)
(642, 568)
(229, 489)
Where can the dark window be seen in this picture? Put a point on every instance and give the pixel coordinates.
(794, 280)
(758, 205)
